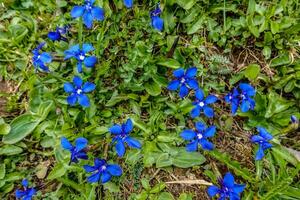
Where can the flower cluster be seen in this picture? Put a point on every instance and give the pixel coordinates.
(40, 60)
(262, 139)
(26, 193)
(156, 21)
(57, 35)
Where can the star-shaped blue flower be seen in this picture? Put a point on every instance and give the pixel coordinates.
(128, 3)
(199, 136)
(26, 193)
(121, 136)
(228, 188)
(262, 139)
(77, 151)
(241, 97)
(78, 90)
(185, 80)
(81, 56)
(40, 60)
(57, 35)
(103, 172)
(156, 21)
(201, 104)
(88, 13)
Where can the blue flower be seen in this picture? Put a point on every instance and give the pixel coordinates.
(77, 151)
(57, 35)
(128, 3)
(262, 140)
(201, 104)
(103, 171)
(77, 91)
(199, 136)
(294, 119)
(121, 136)
(184, 80)
(242, 97)
(156, 21)
(80, 55)
(40, 60)
(88, 13)
(229, 189)
(26, 193)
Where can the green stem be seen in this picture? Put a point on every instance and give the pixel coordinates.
(80, 27)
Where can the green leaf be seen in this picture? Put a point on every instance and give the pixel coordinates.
(274, 27)
(153, 88)
(4, 128)
(44, 109)
(186, 159)
(157, 188)
(169, 62)
(276, 104)
(2, 170)
(186, 4)
(20, 128)
(9, 150)
(58, 171)
(252, 71)
(282, 60)
(164, 160)
(165, 196)
(196, 26)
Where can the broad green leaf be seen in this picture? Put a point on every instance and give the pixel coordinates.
(281, 60)
(2, 171)
(252, 71)
(4, 129)
(276, 104)
(20, 128)
(9, 150)
(158, 187)
(152, 88)
(186, 4)
(169, 62)
(196, 26)
(58, 171)
(186, 159)
(165, 196)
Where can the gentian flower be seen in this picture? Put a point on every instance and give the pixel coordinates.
(121, 136)
(26, 193)
(294, 119)
(128, 3)
(228, 188)
(242, 97)
(201, 104)
(77, 91)
(41, 59)
(57, 35)
(199, 136)
(184, 80)
(103, 171)
(77, 151)
(80, 55)
(263, 141)
(88, 13)
(156, 21)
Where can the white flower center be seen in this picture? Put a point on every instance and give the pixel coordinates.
(79, 91)
(103, 168)
(182, 80)
(200, 136)
(38, 57)
(81, 57)
(201, 104)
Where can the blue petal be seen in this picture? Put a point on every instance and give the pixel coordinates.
(245, 106)
(25, 182)
(128, 3)
(234, 107)
(88, 87)
(82, 155)
(228, 180)
(210, 132)
(98, 13)
(191, 72)
(260, 153)
(199, 94)
(65, 143)
(248, 89)
(75, 48)
(192, 83)
(31, 192)
(173, 85)
(178, 73)
(77, 11)
(79, 67)
(256, 138)
(88, 19)
(192, 146)
(89, 168)
(120, 148)
(200, 126)
(99, 162)
(157, 23)
(266, 145)
(233, 196)
(77, 81)
(116, 129)
(83, 100)
(68, 87)
(212, 190)
(114, 170)
(206, 145)
(133, 143)
(227, 98)
(210, 99)
(45, 57)
(72, 99)
(20, 194)
(94, 178)
(208, 111)
(264, 133)
(128, 126)
(68, 54)
(90, 61)
(105, 177)
(238, 188)
(195, 112)
(87, 48)
(54, 36)
(80, 143)
(183, 91)
(188, 134)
